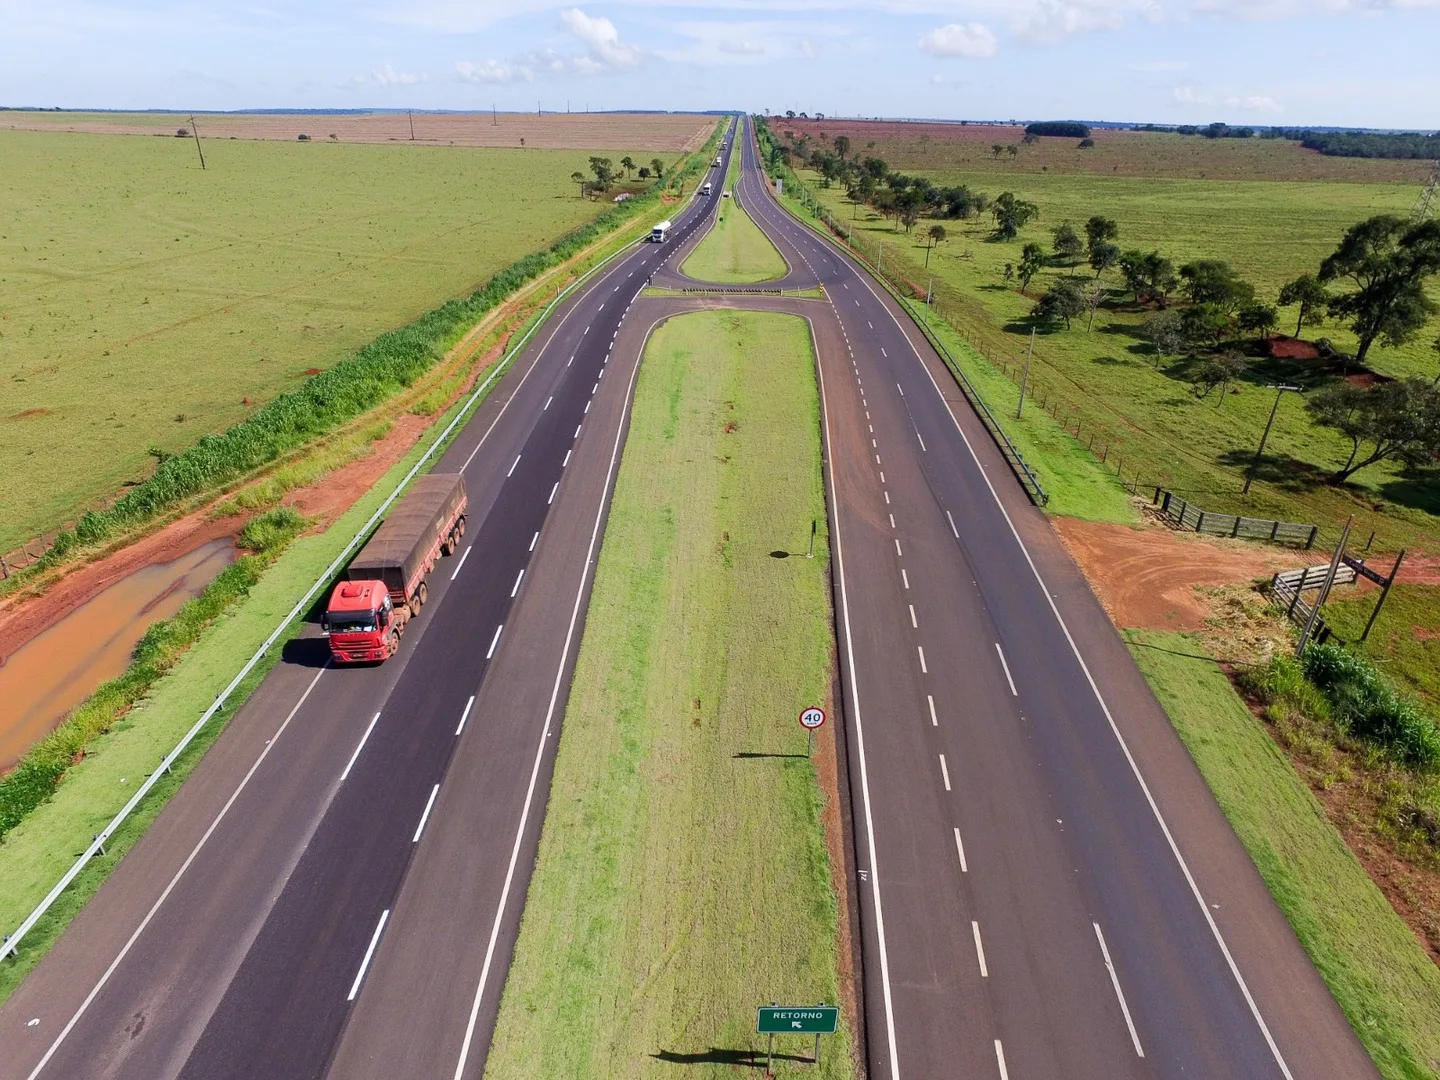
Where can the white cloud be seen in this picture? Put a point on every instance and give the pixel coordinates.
(1050, 21)
(741, 48)
(388, 76)
(1186, 95)
(969, 40)
(493, 71)
(1254, 103)
(602, 41)
(1160, 65)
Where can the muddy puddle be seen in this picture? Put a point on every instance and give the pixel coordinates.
(48, 676)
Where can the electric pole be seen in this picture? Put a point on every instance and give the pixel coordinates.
(1025, 379)
(411, 117)
(196, 132)
(1279, 389)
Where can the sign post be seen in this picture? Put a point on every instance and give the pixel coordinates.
(814, 1020)
(811, 720)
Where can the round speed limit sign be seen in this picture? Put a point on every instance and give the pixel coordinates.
(812, 718)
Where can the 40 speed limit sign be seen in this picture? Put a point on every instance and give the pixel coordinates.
(812, 718)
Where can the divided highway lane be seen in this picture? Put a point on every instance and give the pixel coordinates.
(230, 942)
(1027, 912)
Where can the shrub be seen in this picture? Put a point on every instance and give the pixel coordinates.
(272, 531)
(1367, 706)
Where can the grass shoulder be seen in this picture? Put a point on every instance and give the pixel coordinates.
(682, 877)
(1379, 974)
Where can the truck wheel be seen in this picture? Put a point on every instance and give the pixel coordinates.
(460, 528)
(421, 595)
(393, 643)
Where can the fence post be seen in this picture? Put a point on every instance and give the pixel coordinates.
(1311, 542)
(1200, 523)
(1236, 530)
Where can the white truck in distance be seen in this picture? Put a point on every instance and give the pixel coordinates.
(660, 233)
(708, 188)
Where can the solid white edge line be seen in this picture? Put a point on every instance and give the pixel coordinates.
(1104, 707)
(1115, 982)
(519, 578)
(140, 929)
(460, 565)
(1001, 653)
(544, 736)
(426, 815)
(1000, 1060)
(960, 850)
(859, 732)
(945, 772)
(359, 746)
(979, 949)
(365, 963)
(465, 715)
(494, 641)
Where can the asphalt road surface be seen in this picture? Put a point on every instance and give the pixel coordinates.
(1047, 888)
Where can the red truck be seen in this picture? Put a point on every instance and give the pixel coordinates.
(384, 585)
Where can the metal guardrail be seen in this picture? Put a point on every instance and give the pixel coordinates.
(1187, 515)
(11, 942)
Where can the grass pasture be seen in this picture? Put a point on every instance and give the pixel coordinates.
(1382, 978)
(682, 877)
(1149, 416)
(145, 303)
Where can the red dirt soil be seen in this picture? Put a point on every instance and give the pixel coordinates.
(1146, 577)
(1283, 348)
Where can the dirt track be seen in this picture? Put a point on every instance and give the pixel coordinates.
(1147, 577)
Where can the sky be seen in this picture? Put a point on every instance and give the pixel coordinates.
(1361, 63)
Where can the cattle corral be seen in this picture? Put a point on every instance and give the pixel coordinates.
(663, 132)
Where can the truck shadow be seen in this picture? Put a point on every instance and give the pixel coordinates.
(309, 652)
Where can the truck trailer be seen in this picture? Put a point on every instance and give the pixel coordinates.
(383, 588)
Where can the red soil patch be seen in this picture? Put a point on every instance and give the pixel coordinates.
(332, 495)
(1147, 577)
(28, 414)
(1283, 348)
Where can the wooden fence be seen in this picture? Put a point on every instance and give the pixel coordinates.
(1186, 515)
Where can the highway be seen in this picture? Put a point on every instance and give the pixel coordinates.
(1047, 888)
(289, 873)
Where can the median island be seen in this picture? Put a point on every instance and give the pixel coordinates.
(735, 251)
(683, 878)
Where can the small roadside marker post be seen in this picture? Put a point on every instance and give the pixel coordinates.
(813, 525)
(812, 719)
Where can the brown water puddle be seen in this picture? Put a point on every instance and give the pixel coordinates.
(50, 675)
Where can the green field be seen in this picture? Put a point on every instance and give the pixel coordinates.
(143, 301)
(682, 878)
(1385, 983)
(1406, 636)
(1149, 417)
(734, 250)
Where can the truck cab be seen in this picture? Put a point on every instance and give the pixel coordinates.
(708, 188)
(361, 622)
(660, 233)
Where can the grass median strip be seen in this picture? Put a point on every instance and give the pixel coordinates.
(734, 251)
(682, 877)
(1383, 980)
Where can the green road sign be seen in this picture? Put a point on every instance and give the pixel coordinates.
(798, 1020)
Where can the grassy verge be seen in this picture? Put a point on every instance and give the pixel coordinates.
(735, 250)
(1383, 980)
(682, 877)
(1078, 485)
(1406, 637)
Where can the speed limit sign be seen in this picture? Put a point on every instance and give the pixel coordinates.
(812, 718)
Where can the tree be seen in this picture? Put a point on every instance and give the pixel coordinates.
(604, 170)
(1204, 324)
(936, 233)
(842, 145)
(1095, 294)
(1030, 138)
(1065, 299)
(1162, 328)
(1086, 143)
(1013, 150)
(658, 168)
(1257, 319)
(789, 114)
(1310, 295)
(579, 178)
(1387, 258)
(1100, 229)
(644, 172)
(1103, 256)
(996, 149)
(1148, 275)
(1011, 215)
(628, 164)
(1386, 420)
(1212, 281)
(1068, 246)
(1032, 261)
(1218, 371)
(1008, 273)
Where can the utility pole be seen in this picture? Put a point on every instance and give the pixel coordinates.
(411, 117)
(196, 132)
(929, 287)
(1279, 389)
(1025, 379)
(1324, 588)
(494, 115)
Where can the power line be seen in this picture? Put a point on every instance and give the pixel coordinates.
(1425, 205)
